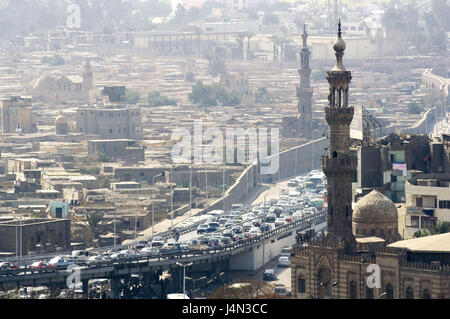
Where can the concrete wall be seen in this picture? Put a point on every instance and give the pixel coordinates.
(298, 160)
(424, 125)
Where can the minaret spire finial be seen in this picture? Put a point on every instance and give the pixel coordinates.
(339, 28)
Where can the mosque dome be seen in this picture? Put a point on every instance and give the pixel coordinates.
(374, 206)
(375, 215)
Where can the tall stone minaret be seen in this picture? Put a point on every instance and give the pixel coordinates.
(88, 78)
(339, 166)
(304, 91)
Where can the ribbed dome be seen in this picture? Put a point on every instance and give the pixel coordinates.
(374, 207)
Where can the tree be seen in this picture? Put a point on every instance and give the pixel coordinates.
(190, 77)
(270, 19)
(414, 108)
(262, 95)
(90, 228)
(132, 97)
(156, 99)
(210, 95)
(103, 158)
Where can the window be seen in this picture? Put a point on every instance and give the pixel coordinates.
(389, 291)
(353, 292)
(419, 202)
(301, 285)
(409, 294)
(426, 294)
(444, 204)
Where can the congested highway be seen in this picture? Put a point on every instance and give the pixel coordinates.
(296, 201)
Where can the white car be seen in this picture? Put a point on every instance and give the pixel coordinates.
(284, 261)
(149, 251)
(94, 259)
(280, 222)
(255, 231)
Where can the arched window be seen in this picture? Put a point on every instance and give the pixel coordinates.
(426, 294)
(389, 291)
(352, 290)
(334, 154)
(346, 210)
(409, 293)
(301, 285)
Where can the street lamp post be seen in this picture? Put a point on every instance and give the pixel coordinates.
(184, 276)
(190, 190)
(171, 198)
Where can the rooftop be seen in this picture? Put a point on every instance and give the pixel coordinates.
(436, 243)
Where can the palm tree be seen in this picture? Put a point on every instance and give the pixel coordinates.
(89, 229)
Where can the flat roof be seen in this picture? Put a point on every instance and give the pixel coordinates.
(372, 239)
(434, 243)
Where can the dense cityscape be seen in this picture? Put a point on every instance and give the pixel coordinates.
(196, 149)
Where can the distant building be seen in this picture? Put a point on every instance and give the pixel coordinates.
(110, 123)
(61, 125)
(16, 115)
(55, 88)
(37, 235)
(120, 149)
(427, 202)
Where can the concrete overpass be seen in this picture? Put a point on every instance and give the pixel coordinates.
(246, 255)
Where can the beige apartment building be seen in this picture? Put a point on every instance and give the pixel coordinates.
(427, 202)
(16, 115)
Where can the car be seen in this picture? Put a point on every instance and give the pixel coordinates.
(118, 255)
(269, 275)
(95, 259)
(281, 290)
(270, 218)
(292, 183)
(229, 224)
(286, 251)
(59, 262)
(256, 222)
(238, 237)
(248, 235)
(214, 242)
(237, 207)
(227, 233)
(255, 231)
(237, 229)
(284, 261)
(223, 220)
(247, 226)
(157, 242)
(225, 241)
(264, 227)
(149, 251)
(202, 228)
(5, 265)
(279, 222)
(171, 248)
(37, 265)
(288, 219)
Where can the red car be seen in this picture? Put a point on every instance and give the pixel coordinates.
(37, 265)
(7, 265)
